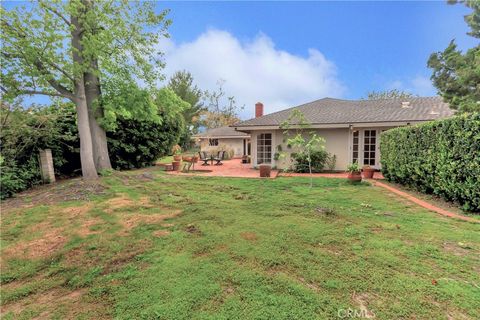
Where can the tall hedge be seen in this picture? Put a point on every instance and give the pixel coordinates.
(439, 157)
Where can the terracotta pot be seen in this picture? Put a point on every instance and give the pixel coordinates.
(265, 170)
(176, 165)
(177, 157)
(368, 173)
(355, 176)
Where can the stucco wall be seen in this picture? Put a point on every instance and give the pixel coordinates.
(336, 142)
(234, 144)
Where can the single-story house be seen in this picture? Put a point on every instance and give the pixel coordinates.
(351, 129)
(224, 138)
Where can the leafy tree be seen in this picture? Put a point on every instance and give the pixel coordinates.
(139, 143)
(306, 145)
(389, 94)
(71, 50)
(221, 110)
(457, 75)
(182, 84)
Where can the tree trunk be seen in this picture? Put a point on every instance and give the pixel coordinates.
(86, 149)
(95, 111)
(99, 136)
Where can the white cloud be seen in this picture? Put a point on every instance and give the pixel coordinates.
(419, 85)
(254, 70)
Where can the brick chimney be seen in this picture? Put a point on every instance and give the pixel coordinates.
(258, 109)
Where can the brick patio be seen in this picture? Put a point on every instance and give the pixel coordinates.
(230, 168)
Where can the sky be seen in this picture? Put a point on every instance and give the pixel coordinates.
(287, 53)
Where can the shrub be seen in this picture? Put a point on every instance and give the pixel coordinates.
(137, 144)
(319, 159)
(440, 157)
(23, 132)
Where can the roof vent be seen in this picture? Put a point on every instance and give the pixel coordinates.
(406, 104)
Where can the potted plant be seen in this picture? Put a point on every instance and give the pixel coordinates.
(176, 165)
(368, 172)
(354, 173)
(177, 152)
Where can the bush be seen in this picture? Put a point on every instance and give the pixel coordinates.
(319, 159)
(440, 157)
(23, 133)
(137, 144)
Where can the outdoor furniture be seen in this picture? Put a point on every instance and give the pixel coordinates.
(219, 158)
(204, 157)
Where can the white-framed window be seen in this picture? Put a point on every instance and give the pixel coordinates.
(264, 148)
(213, 142)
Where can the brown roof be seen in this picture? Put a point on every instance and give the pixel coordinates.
(223, 132)
(337, 111)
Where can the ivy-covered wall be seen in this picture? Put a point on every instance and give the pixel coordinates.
(439, 157)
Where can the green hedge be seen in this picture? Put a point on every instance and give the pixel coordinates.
(439, 157)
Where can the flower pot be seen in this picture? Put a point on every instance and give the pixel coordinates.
(368, 173)
(355, 176)
(177, 157)
(176, 165)
(265, 170)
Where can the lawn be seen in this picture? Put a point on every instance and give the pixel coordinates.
(152, 246)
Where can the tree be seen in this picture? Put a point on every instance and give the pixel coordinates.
(304, 143)
(221, 110)
(182, 84)
(457, 75)
(63, 49)
(389, 94)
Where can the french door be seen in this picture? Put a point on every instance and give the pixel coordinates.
(364, 147)
(264, 148)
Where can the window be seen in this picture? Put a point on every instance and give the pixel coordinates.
(213, 142)
(264, 148)
(355, 146)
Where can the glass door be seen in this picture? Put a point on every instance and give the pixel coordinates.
(369, 147)
(355, 144)
(264, 148)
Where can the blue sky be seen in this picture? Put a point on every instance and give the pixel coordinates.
(370, 45)
(287, 53)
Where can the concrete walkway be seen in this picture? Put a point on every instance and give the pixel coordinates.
(423, 203)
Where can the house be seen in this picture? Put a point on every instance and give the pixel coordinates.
(351, 129)
(224, 138)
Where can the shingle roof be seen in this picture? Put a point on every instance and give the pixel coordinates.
(225, 132)
(337, 111)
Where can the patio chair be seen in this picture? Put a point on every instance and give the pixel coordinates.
(220, 156)
(204, 157)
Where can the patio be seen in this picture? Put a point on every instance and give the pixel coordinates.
(229, 168)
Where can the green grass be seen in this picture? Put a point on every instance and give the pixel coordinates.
(244, 249)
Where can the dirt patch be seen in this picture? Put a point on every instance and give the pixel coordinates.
(362, 300)
(85, 228)
(64, 190)
(458, 250)
(250, 236)
(124, 201)
(161, 233)
(74, 212)
(45, 246)
(73, 302)
(191, 228)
